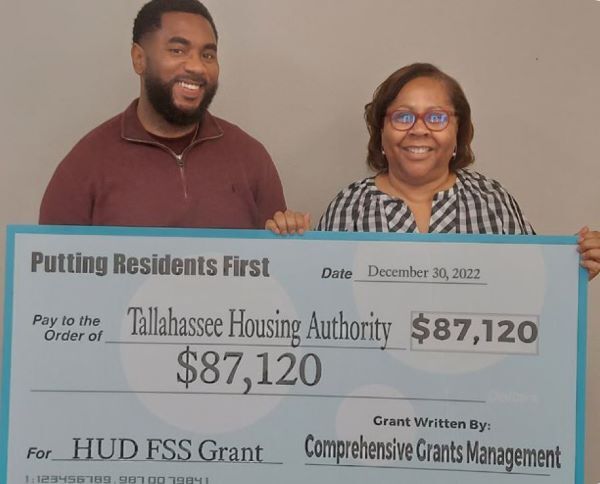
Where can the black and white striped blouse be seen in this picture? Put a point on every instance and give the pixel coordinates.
(474, 204)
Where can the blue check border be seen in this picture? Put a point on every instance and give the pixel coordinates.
(13, 230)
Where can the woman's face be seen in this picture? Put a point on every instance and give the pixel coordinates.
(419, 154)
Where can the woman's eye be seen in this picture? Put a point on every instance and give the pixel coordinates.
(403, 117)
(437, 117)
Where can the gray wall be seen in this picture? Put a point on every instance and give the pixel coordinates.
(297, 74)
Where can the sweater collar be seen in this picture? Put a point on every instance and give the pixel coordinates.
(132, 129)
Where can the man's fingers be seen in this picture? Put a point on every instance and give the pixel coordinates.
(288, 222)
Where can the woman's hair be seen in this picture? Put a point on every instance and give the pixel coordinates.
(387, 91)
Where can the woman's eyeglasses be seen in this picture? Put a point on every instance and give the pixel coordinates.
(435, 120)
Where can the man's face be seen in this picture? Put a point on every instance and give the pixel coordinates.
(181, 69)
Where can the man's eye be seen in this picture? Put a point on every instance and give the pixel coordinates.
(211, 56)
(176, 51)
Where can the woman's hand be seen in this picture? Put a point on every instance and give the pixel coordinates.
(589, 248)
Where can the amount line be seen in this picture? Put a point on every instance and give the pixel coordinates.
(299, 395)
(429, 469)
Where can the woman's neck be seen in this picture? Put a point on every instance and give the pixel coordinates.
(416, 191)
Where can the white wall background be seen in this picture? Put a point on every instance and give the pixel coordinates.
(296, 75)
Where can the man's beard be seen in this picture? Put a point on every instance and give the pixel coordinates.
(160, 95)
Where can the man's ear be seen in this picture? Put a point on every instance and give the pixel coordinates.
(138, 58)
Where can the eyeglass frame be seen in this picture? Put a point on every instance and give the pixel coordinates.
(420, 116)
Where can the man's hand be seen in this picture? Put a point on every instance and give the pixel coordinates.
(288, 223)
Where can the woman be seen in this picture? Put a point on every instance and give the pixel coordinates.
(420, 144)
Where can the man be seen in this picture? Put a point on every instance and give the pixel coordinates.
(166, 161)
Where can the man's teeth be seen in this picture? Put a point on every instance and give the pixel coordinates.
(188, 85)
(418, 149)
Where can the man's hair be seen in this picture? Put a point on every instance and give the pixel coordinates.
(149, 17)
(387, 91)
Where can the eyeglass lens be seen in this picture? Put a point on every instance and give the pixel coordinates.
(434, 120)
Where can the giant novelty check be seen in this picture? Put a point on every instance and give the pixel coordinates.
(153, 356)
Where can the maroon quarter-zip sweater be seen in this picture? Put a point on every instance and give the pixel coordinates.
(119, 175)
